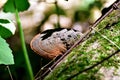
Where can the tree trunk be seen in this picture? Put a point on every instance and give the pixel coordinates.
(96, 56)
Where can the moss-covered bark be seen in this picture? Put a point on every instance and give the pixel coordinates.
(103, 41)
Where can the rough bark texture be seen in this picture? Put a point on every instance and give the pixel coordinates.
(104, 40)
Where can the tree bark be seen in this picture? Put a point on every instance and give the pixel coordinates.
(100, 51)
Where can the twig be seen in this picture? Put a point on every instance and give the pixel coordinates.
(48, 64)
(9, 72)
